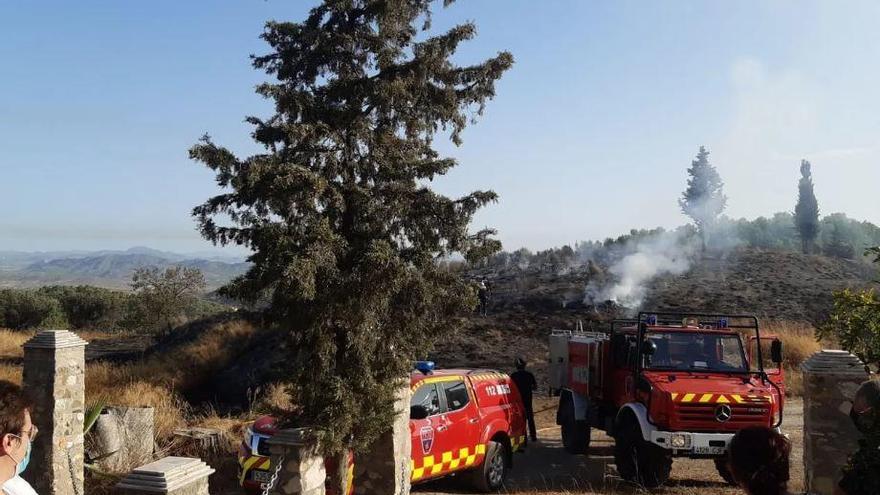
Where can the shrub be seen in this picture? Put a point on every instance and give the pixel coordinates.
(21, 309)
(855, 323)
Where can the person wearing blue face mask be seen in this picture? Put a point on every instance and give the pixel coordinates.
(16, 434)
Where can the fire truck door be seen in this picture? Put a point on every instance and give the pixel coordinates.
(426, 433)
(461, 427)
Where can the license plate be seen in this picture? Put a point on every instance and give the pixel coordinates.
(262, 476)
(709, 450)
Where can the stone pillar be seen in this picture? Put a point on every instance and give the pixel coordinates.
(831, 379)
(53, 375)
(388, 467)
(302, 466)
(171, 475)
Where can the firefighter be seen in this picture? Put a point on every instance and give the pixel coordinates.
(861, 475)
(483, 293)
(526, 383)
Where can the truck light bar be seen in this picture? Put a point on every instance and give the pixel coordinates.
(426, 367)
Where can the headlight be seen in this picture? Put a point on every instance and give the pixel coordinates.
(248, 436)
(680, 441)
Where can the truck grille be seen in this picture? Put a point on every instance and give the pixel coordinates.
(703, 417)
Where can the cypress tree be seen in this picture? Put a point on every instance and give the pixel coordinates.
(806, 212)
(704, 198)
(345, 229)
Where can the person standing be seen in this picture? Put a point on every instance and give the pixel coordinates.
(526, 384)
(758, 459)
(16, 434)
(483, 294)
(861, 475)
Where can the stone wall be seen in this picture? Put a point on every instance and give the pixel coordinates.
(831, 379)
(53, 375)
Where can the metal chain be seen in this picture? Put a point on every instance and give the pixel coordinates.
(73, 472)
(274, 479)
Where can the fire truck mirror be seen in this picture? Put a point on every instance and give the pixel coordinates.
(776, 351)
(418, 412)
(649, 347)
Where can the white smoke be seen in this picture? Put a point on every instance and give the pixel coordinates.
(667, 253)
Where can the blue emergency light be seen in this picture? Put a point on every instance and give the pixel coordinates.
(722, 323)
(426, 367)
(651, 320)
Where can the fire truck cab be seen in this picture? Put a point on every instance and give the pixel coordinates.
(665, 385)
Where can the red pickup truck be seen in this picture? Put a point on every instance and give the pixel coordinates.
(462, 423)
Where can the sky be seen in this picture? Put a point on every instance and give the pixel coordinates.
(590, 133)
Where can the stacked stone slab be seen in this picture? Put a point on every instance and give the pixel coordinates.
(302, 469)
(387, 468)
(53, 375)
(831, 379)
(171, 476)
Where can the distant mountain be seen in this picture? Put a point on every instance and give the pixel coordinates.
(112, 269)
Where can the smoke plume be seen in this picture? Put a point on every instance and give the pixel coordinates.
(640, 261)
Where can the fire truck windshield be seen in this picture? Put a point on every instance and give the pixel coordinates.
(689, 351)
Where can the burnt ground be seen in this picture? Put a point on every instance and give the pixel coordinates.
(547, 469)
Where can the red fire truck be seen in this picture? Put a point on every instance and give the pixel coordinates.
(666, 385)
(462, 423)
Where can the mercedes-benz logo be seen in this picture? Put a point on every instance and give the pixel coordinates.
(723, 413)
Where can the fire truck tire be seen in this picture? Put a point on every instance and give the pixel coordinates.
(639, 461)
(491, 475)
(724, 471)
(575, 434)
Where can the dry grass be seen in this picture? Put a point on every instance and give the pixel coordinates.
(10, 372)
(11, 342)
(799, 343)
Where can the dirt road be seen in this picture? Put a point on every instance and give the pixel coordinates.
(545, 468)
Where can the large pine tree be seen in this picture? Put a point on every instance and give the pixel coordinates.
(806, 212)
(345, 229)
(704, 198)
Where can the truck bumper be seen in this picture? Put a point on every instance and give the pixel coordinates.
(683, 443)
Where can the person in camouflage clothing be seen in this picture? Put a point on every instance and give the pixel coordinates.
(861, 475)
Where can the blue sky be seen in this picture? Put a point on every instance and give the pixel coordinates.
(590, 133)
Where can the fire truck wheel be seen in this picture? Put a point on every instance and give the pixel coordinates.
(724, 471)
(491, 475)
(575, 434)
(639, 461)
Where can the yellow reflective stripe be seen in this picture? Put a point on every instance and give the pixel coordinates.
(688, 397)
(248, 464)
(435, 379)
(705, 398)
(738, 398)
(449, 461)
(674, 395)
(722, 400)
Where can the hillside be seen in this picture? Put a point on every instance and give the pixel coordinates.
(110, 269)
(528, 303)
(772, 284)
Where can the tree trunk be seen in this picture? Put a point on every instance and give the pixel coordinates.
(337, 474)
